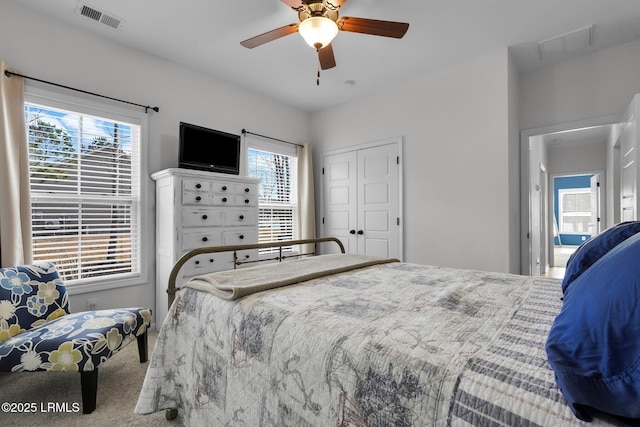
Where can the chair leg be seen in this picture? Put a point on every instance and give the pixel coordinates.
(89, 385)
(143, 347)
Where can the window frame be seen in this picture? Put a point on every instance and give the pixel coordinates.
(561, 194)
(280, 148)
(112, 111)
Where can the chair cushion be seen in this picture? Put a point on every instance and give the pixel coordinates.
(76, 342)
(30, 295)
(594, 343)
(595, 248)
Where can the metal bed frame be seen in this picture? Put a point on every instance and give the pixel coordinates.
(172, 289)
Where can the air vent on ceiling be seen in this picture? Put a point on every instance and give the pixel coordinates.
(99, 16)
(569, 42)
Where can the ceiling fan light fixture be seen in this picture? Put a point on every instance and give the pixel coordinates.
(318, 31)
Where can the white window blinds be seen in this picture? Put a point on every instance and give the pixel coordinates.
(85, 193)
(278, 191)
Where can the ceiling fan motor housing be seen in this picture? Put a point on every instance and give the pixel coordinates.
(317, 8)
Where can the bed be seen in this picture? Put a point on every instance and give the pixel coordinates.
(380, 344)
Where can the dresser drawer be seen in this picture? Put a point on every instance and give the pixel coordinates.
(196, 185)
(196, 198)
(235, 217)
(246, 189)
(223, 199)
(247, 256)
(201, 239)
(245, 201)
(223, 187)
(240, 237)
(208, 263)
(201, 217)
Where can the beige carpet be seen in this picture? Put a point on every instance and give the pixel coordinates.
(119, 383)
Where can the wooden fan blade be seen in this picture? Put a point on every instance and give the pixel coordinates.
(293, 4)
(325, 55)
(373, 26)
(270, 36)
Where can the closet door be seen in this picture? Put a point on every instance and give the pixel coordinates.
(378, 202)
(340, 216)
(362, 199)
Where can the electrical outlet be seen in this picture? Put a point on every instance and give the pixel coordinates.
(92, 304)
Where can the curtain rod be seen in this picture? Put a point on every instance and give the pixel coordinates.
(146, 107)
(245, 132)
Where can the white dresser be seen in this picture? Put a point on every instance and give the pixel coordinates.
(195, 209)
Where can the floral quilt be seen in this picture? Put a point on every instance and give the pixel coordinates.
(391, 345)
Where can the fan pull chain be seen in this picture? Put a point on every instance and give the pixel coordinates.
(318, 78)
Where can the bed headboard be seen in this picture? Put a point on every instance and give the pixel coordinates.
(172, 289)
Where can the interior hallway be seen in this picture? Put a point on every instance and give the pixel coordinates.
(561, 255)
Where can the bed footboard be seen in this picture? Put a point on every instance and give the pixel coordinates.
(172, 289)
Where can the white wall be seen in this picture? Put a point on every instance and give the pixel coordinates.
(455, 125)
(46, 49)
(566, 160)
(595, 88)
(595, 85)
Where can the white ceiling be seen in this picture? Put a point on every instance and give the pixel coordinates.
(206, 35)
(570, 138)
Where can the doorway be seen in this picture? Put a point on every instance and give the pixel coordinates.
(576, 213)
(580, 148)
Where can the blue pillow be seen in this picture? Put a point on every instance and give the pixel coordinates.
(593, 249)
(594, 343)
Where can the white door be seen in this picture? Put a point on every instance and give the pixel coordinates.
(340, 216)
(361, 200)
(378, 216)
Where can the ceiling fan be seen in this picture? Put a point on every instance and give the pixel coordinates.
(320, 23)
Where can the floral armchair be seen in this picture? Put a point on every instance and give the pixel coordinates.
(38, 332)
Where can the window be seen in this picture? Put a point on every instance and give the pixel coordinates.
(575, 210)
(86, 193)
(276, 167)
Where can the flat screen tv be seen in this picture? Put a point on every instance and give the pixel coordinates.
(208, 149)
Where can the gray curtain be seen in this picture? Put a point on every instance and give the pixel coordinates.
(306, 203)
(15, 203)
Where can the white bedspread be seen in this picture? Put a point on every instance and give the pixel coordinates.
(391, 345)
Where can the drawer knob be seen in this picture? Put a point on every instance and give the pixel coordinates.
(198, 185)
(224, 200)
(211, 260)
(246, 257)
(224, 188)
(246, 190)
(204, 217)
(204, 239)
(198, 198)
(241, 217)
(241, 236)
(246, 200)
(197, 262)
